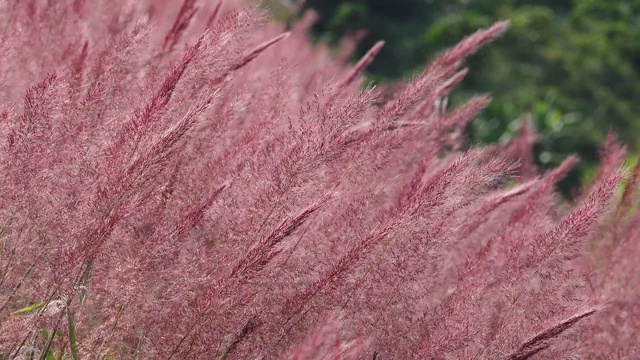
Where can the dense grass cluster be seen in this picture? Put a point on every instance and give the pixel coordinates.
(189, 181)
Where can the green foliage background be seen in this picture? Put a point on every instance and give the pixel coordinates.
(574, 65)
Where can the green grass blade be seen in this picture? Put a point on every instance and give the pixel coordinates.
(73, 345)
(28, 309)
(45, 336)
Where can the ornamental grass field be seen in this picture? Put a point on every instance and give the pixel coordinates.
(188, 180)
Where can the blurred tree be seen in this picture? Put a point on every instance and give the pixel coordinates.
(574, 65)
(401, 22)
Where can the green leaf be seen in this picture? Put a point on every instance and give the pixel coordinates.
(28, 309)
